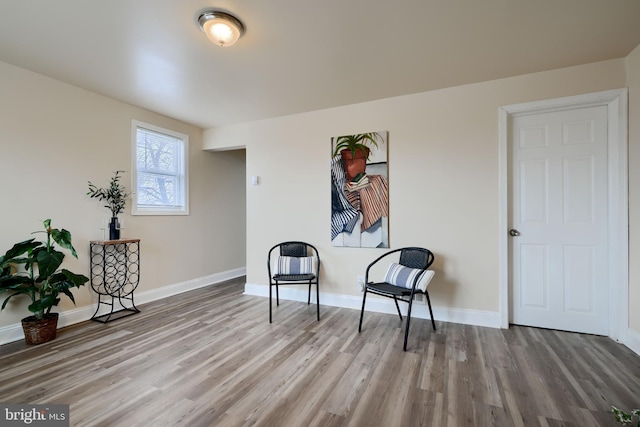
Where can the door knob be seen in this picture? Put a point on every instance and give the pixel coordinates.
(513, 232)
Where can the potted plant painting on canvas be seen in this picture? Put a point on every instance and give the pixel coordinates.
(359, 190)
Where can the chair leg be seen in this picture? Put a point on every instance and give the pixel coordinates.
(277, 295)
(397, 307)
(406, 331)
(309, 296)
(270, 319)
(318, 300)
(364, 298)
(433, 322)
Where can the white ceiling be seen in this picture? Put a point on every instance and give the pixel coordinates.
(303, 55)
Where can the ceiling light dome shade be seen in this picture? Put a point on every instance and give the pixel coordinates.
(221, 28)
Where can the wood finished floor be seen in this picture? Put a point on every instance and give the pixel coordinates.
(210, 358)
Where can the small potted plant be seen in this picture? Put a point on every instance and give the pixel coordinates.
(116, 198)
(626, 418)
(355, 152)
(41, 279)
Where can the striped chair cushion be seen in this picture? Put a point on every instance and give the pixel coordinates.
(295, 265)
(400, 275)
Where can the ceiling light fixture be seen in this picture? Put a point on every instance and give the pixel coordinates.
(220, 27)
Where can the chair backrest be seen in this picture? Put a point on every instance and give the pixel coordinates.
(416, 258)
(296, 249)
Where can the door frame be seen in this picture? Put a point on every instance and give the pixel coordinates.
(618, 198)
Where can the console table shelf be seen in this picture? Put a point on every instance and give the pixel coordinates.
(115, 273)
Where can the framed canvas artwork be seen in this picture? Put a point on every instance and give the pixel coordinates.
(360, 190)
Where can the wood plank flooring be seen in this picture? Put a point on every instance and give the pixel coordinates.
(210, 358)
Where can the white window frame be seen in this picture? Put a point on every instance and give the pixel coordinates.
(183, 178)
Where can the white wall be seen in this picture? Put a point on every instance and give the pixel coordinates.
(443, 178)
(633, 81)
(55, 137)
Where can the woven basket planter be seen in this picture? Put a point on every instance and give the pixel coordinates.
(40, 331)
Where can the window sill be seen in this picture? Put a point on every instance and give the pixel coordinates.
(156, 212)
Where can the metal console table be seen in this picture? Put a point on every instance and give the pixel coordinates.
(115, 273)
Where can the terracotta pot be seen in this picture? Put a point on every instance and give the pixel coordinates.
(354, 165)
(40, 331)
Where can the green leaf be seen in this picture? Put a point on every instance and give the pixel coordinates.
(621, 416)
(68, 293)
(48, 263)
(77, 279)
(63, 238)
(16, 282)
(44, 303)
(6, 300)
(115, 194)
(353, 143)
(18, 249)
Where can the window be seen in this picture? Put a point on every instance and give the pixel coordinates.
(159, 164)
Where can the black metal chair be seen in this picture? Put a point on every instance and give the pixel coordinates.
(298, 263)
(406, 278)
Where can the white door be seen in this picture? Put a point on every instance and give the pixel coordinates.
(559, 199)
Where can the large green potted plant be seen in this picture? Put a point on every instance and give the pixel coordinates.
(32, 268)
(354, 150)
(116, 197)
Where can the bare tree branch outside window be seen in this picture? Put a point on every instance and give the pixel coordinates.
(158, 164)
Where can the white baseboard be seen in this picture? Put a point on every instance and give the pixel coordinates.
(383, 305)
(14, 332)
(633, 341)
(11, 333)
(490, 319)
(420, 310)
(189, 285)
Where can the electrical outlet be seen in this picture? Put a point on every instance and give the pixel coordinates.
(360, 281)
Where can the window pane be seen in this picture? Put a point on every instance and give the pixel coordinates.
(156, 152)
(157, 190)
